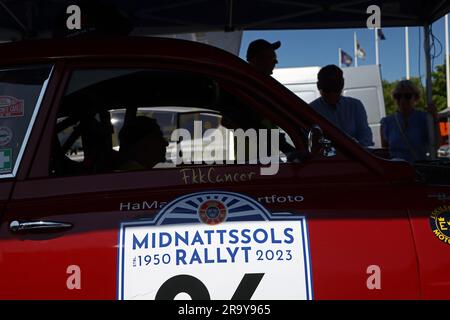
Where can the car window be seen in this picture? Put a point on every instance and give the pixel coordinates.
(138, 119)
(21, 92)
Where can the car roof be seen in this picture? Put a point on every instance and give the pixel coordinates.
(82, 47)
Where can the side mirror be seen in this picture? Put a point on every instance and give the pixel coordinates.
(318, 144)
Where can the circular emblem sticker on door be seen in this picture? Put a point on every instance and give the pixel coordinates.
(440, 223)
(212, 212)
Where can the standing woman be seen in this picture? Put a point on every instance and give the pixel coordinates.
(405, 133)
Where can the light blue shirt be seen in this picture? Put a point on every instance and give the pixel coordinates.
(415, 129)
(349, 116)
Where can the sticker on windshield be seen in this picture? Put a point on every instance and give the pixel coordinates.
(215, 245)
(5, 136)
(5, 160)
(11, 107)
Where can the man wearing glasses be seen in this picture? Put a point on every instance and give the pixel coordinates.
(346, 113)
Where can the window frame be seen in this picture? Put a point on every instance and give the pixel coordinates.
(37, 108)
(211, 70)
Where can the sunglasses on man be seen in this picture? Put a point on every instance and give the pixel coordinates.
(331, 90)
(333, 85)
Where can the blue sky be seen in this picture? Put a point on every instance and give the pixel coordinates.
(300, 48)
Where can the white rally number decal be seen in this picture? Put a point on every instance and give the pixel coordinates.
(215, 245)
(197, 290)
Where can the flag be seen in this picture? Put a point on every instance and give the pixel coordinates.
(381, 34)
(360, 52)
(346, 58)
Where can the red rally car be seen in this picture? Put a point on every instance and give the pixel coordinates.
(335, 221)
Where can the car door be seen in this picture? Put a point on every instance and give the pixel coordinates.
(22, 90)
(430, 220)
(319, 228)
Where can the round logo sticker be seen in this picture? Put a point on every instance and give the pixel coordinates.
(212, 212)
(5, 136)
(440, 223)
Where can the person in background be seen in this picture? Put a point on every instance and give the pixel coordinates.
(405, 133)
(261, 55)
(346, 113)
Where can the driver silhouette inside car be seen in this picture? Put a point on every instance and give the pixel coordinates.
(142, 145)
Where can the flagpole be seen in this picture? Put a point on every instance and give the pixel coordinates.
(339, 59)
(377, 53)
(407, 52)
(432, 133)
(355, 41)
(447, 61)
(447, 66)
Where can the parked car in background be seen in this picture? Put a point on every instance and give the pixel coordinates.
(444, 151)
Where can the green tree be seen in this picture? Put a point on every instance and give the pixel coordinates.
(389, 102)
(440, 88)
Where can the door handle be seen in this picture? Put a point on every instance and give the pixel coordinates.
(16, 226)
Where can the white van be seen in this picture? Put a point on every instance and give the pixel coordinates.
(363, 83)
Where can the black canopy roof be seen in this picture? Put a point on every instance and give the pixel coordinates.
(44, 18)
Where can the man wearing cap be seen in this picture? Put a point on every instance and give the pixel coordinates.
(346, 113)
(261, 55)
